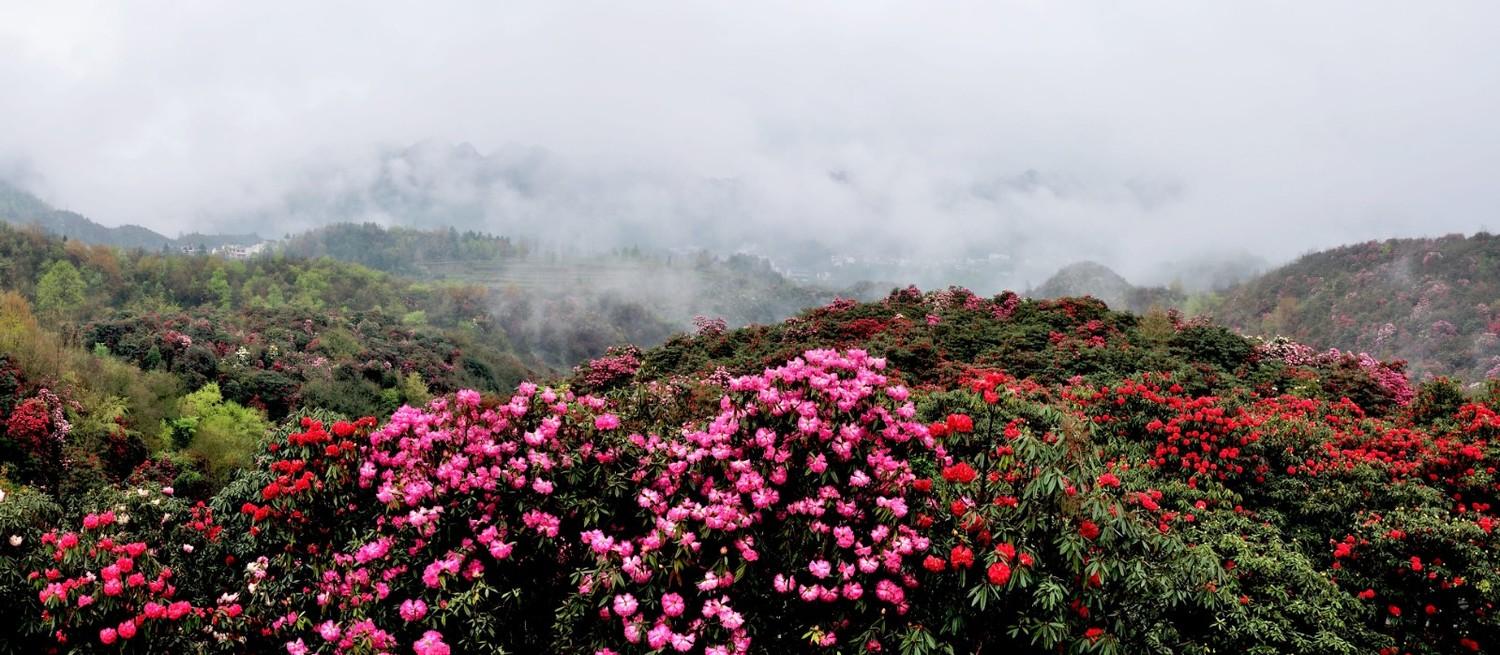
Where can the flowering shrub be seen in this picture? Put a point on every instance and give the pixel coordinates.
(793, 498)
(1426, 575)
(1050, 547)
(613, 369)
(114, 581)
(1390, 379)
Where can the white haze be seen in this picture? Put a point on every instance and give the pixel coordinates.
(1128, 133)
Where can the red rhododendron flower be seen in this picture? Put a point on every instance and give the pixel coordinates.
(961, 556)
(1088, 529)
(960, 473)
(998, 573)
(960, 423)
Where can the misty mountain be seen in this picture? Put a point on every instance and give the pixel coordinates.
(566, 306)
(1432, 302)
(1088, 278)
(1207, 272)
(432, 185)
(21, 208)
(972, 231)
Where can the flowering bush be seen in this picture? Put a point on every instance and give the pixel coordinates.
(791, 501)
(117, 579)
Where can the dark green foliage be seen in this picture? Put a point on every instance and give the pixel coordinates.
(1212, 344)
(1437, 399)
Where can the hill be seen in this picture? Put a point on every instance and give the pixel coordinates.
(1432, 302)
(1097, 280)
(20, 208)
(273, 333)
(566, 307)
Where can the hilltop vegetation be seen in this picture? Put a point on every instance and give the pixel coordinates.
(1432, 302)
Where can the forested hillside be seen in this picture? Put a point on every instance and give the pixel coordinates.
(565, 306)
(257, 339)
(1432, 302)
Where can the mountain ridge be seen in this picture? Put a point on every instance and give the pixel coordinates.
(22, 208)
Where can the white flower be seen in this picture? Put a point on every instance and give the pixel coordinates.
(187, 548)
(122, 519)
(251, 587)
(15, 540)
(141, 491)
(227, 598)
(2, 495)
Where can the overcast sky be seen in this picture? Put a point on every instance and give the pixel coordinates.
(1272, 126)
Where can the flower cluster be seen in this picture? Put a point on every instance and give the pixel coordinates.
(819, 447)
(106, 585)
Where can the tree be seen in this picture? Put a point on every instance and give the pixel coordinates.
(218, 285)
(414, 390)
(220, 433)
(312, 284)
(59, 292)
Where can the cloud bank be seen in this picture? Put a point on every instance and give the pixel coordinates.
(1057, 133)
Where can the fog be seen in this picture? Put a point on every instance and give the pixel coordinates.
(1049, 133)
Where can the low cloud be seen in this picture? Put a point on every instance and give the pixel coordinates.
(1049, 133)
